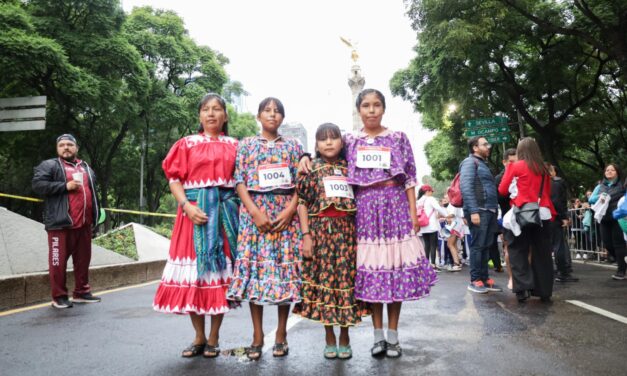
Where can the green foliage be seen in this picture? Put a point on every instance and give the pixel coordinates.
(126, 85)
(491, 58)
(163, 229)
(121, 241)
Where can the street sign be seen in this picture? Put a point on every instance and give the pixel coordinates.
(22, 114)
(486, 122)
(498, 138)
(487, 131)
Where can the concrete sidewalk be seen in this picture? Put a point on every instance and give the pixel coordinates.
(24, 261)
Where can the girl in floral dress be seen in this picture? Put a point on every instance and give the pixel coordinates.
(199, 266)
(327, 222)
(267, 269)
(391, 262)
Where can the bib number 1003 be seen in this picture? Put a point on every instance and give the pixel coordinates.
(337, 186)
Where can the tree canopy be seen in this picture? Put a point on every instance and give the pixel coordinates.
(559, 65)
(127, 85)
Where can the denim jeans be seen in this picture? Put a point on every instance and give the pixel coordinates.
(483, 236)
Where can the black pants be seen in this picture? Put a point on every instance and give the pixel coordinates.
(495, 255)
(431, 244)
(537, 277)
(613, 240)
(560, 248)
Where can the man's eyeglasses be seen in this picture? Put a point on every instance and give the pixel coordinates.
(486, 144)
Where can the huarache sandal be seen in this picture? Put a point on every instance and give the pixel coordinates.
(393, 350)
(193, 350)
(211, 351)
(344, 352)
(378, 348)
(330, 351)
(280, 349)
(254, 352)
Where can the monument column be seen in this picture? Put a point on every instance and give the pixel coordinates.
(356, 82)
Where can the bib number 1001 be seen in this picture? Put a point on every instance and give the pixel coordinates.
(371, 158)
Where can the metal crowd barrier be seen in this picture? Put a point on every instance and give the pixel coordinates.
(584, 236)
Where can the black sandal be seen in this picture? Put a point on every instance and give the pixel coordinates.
(211, 351)
(393, 347)
(378, 348)
(254, 352)
(193, 350)
(280, 349)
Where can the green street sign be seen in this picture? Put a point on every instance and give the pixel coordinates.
(498, 138)
(486, 131)
(486, 122)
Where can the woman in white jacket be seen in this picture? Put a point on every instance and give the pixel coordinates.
(429, 233)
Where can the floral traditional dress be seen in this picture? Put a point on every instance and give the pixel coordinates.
(329, 276)
(267, 269)
(391, 262)
(204, 166)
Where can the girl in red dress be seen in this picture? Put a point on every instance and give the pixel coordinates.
(198, 271)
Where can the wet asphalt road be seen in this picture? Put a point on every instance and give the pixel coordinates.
(452, 332)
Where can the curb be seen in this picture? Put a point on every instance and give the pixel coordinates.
(26, 289)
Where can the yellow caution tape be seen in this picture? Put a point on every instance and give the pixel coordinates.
(21, 197)
(107, 209)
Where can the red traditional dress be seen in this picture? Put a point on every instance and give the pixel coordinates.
(197, 161)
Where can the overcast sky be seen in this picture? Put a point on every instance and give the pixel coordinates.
(292, 50)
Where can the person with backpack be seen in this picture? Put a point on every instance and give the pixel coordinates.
(428, 205)
(480, 206)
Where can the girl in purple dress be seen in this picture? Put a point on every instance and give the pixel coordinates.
(391, 262)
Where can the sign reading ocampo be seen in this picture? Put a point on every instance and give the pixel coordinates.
(486, 131)
(22, 114)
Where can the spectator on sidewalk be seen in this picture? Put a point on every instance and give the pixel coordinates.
(533, 186)
(480, 208)
(508, 157)
(612, 189)
(429, 233)
(68, 187)
(559, 244)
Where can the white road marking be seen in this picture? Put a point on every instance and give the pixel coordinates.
(600, 311)
(268, 340)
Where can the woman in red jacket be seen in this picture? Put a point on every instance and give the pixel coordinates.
(534, 184)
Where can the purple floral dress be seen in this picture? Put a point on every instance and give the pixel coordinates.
(391, 262)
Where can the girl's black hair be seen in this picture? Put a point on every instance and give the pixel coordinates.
(218, 97)
(360, 97)
(267, 101)
(329, 130)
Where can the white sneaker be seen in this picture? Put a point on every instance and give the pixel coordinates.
(578, 256)
(455, 268)
(585, 256)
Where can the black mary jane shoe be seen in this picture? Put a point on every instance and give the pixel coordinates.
(522, 296)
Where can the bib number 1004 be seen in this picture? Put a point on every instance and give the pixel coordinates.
(274, 175)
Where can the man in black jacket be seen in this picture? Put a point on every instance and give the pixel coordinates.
(67, 185)
(558, 239)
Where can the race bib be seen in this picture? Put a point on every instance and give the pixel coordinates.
(274, 175)
(373, 157)
(337, 186)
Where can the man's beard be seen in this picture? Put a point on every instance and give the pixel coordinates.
(71, 158)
